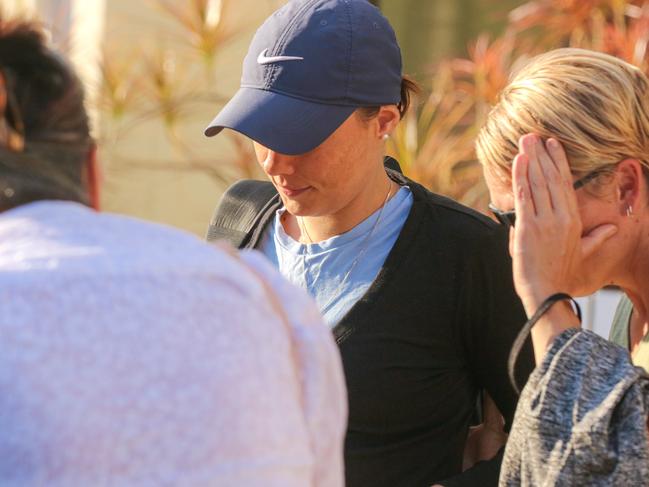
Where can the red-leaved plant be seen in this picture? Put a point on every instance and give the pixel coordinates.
(435, 143)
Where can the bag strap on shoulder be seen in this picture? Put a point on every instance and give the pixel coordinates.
(238, 210)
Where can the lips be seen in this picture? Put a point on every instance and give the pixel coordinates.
(293, 192)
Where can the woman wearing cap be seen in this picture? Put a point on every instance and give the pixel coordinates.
(416, 288)
(566, 152)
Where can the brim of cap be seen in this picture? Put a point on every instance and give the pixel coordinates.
(282, 123)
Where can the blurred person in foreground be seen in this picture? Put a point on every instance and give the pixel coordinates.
(132, 353)
(416, 288)
(566, 158)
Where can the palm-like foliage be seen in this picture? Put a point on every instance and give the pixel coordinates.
(436, 143)
(205, 23)
(169, 86)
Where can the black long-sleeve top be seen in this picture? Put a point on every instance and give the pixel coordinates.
(434, 328)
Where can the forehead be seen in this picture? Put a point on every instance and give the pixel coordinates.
(500, 188)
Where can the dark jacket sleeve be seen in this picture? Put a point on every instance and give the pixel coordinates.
(481, 474)
(491, 315)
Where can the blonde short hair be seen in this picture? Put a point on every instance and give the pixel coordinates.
(596, 105)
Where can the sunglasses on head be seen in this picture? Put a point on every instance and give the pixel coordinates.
(508, 218)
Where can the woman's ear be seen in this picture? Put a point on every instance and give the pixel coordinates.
(387, 118)
(93, 178)
(630, 182)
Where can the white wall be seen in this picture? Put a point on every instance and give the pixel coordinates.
(599, 309)
(14, 8)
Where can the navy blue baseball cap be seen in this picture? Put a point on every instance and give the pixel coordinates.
(309, 67)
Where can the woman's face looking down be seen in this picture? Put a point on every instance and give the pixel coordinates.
(615, 197)
(329, 178)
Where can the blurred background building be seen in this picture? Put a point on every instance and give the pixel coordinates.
(157, 71)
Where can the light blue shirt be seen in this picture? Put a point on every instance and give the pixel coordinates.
(320, 268)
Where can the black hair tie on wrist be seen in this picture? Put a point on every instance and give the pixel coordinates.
(527, 328)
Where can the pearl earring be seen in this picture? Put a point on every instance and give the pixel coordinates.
(385, 136)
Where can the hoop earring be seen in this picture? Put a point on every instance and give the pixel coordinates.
(629, 210)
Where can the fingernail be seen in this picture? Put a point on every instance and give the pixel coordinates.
(528, 142)
(521, 141)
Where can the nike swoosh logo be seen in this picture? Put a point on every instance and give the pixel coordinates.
(263, 59)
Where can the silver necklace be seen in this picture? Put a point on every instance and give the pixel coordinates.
(360, 254)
